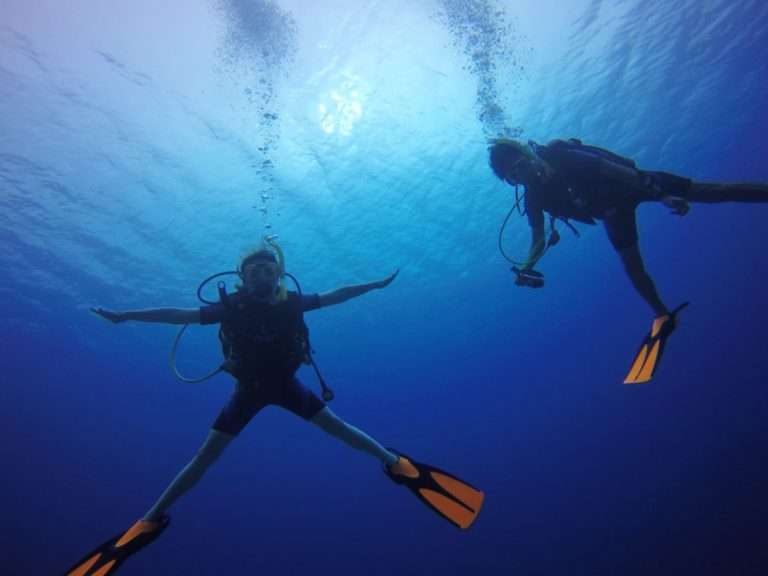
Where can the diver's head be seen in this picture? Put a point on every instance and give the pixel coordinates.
(260, 273)
(515, 163)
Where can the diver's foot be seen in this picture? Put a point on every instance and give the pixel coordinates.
(403, 467)
(144, 526)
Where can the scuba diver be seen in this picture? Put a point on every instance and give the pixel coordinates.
(265, 340)
(573, 181)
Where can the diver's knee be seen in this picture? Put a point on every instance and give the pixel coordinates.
(213, 447)
(336, 426)
(329, 422)
(205, 458)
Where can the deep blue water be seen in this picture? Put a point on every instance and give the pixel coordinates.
(146, 147)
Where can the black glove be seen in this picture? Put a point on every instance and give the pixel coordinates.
(529, 278)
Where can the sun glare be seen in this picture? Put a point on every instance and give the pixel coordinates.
(342, 107)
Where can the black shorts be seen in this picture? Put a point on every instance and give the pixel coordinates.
(620, 222)
(248, 399)
(668, 184)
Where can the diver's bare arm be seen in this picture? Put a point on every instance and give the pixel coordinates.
(345, 293)
(537, 247)
(157, 315)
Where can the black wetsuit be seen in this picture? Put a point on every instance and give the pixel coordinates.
(591, 183)
(267, 344)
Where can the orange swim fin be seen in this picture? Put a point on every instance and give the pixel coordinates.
(451, 498)
(649, 355)
(107, 558)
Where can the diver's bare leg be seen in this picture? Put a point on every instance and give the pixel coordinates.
(641, 280)
(327, 421)
(211, 449)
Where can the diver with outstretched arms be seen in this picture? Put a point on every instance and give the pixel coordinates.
(265, 340)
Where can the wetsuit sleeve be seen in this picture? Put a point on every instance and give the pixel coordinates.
(213, 313)
(310, 302)
(621, 226)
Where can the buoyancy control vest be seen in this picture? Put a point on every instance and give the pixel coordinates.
(576, 189)
(264, 340)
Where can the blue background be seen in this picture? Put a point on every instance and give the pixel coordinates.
(146, 147)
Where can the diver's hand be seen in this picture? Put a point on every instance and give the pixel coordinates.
(676, 204)
(111, 315)
(386, 281)
(529, 277)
